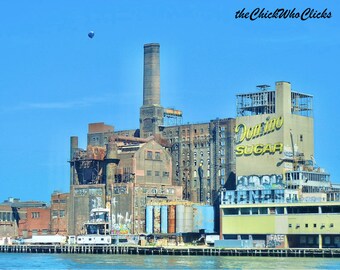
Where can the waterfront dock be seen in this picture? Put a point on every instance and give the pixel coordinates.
(179, 251)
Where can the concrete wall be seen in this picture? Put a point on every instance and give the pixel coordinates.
(263, 154)
(83, 198)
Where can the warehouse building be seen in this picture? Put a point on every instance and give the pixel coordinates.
(288, 200)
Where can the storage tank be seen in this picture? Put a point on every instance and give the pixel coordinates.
(209, 219)
(149, 219)
(171, 219)
(164, 219)
(198, 220)
(157, 219)
(188, 218)
(180, 218)
(203, 218)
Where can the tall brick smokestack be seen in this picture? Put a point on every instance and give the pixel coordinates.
(151, 84)
(151, 113)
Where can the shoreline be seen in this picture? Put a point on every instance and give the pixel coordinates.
(172, 250)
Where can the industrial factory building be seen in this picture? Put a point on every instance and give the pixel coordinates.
(161, 160)
(288, 200)
(258, 169)
(122, 176)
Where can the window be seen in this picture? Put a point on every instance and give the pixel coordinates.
(302, 210)
(35, 215)
(62, 213)
(280, 210)
(165, 174)
(331, 209)
(301, 138)
(314, 225)
(222, 172)
(149, 154)
(263, 211)
(34, 232)
(158, 155)
(44, 231)
(245, 211)
(54, 214)
(148, 173)
(306, 225)
(156, 173)
(230, 211)
(289, 225)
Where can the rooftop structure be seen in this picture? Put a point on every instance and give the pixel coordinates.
(264, 102)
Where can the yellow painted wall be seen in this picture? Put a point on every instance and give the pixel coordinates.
(271, 163)
(319, 220)
(279, 224)
(261, 224)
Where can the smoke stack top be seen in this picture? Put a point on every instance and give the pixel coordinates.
(151, 84)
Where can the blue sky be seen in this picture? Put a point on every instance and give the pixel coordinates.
(54, 80)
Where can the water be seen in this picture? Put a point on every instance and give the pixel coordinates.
(114, 261)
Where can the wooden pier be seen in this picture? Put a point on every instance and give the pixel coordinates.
(181, 251)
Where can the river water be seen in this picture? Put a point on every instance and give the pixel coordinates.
(115, 261)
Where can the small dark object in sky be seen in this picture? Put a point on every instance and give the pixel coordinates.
(91, 34)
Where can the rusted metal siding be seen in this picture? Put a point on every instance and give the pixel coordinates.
(157, 219)
(172, 219)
